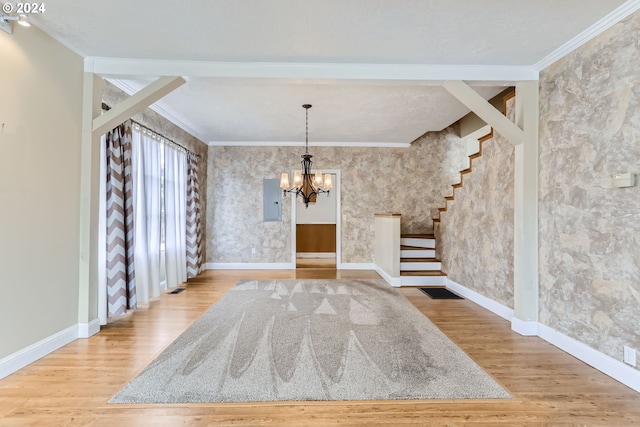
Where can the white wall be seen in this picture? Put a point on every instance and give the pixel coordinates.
(41, 108)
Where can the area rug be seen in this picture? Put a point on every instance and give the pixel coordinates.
(300, 340)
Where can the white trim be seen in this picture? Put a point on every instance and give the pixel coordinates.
(409, 73)
(527, 328)
(606, 364)
(250, 266)
(22, 358)
(387, 144)
(422, 280)
(598, 360)
(86, 330)
(491, 305)
(355, 266)
(393, 281)
(337, 191)
(593, 31)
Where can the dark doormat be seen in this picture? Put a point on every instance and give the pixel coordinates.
(440, 293)
(177, 290)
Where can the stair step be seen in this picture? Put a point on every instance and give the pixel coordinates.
(419, 236)
(416, 252)
(422, 273)
(458, 185)
(420, 266)
(426, 259)
(428, 243)
(465, 171)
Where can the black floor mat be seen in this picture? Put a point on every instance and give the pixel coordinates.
(177, 290)
(440, 293)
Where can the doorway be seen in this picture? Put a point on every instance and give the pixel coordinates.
(316, 230)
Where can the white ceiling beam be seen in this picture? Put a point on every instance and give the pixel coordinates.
(130, 68)
(485, 111)
(137, 102)
(378, 144)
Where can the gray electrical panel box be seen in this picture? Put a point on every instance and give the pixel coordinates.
(271, 200)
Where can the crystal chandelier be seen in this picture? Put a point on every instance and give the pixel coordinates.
(306, 185)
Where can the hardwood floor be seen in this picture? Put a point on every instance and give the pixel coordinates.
(71, 386)
(316, 263)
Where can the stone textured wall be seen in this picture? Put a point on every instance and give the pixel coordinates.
(411, 181)
(154, 121)
(590, 232)
(475, 235)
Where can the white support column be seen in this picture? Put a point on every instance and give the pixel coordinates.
(89, 182)
(94, 125)
(525, 266)
(137, 102)
(524, 135)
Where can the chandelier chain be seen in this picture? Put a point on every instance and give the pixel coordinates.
(306, 133)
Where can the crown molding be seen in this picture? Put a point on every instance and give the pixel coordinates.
(593, 31)
(311, 144)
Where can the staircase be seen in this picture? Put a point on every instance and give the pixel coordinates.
(405, 259)
(418, 262)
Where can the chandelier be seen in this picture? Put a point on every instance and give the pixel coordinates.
(306, 185)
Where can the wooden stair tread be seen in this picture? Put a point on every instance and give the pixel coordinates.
(449, 198)
(475, 156)
(417, 236)
(414, 248)
(458, 185)
(423, 273)
(465, 171)
(419, 260)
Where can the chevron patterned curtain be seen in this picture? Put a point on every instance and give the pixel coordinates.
(194, 218)
(121, 288)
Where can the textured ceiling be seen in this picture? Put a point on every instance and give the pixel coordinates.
(219, 110)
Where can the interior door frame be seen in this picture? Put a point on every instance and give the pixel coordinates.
(336, 189)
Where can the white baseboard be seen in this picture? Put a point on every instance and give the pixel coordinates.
(491, 305)
(527, 328)
(86, 330)
(356, 266)
(600, 361)
(605, 364)
(249, 266)
(393, 281)
(423, 280)
(22, 358)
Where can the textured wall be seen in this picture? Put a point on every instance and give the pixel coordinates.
(590, 232)
(410, 181)
(154, 121)
(475, 235)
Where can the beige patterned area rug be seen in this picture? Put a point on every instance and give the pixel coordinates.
(294, 340)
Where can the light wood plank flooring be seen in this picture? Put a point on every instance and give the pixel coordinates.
(71, 387)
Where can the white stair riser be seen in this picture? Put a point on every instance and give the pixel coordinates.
(423, 253)
(422, 280)
(420, 266)
(418, 243)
